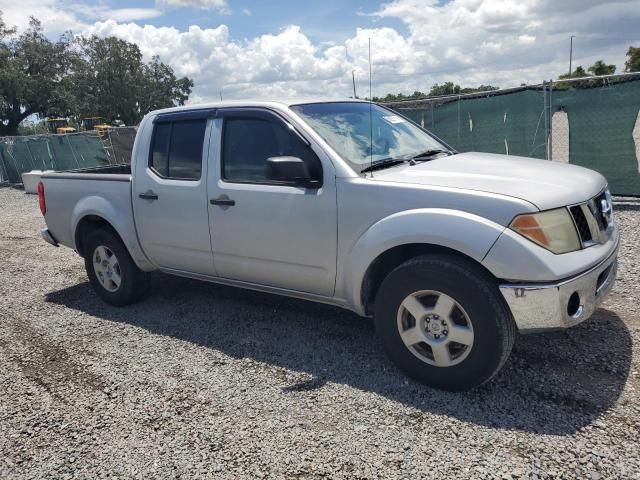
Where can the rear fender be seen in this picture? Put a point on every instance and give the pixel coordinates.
(121, 223)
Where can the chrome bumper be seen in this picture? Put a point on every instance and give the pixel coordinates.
(46, 235)
(537, 307)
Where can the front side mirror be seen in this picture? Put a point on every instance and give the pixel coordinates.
(290, 170)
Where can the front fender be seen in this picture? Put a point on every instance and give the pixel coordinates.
(464, 232)
(122, 223)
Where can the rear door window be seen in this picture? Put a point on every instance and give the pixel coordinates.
(177, 149)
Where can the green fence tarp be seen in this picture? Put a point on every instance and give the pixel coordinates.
(601, 123)
(64, 152)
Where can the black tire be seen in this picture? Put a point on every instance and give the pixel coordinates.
(134, 282)
(476, 292)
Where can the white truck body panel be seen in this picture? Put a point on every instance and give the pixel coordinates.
(319, 243)
(172, 228)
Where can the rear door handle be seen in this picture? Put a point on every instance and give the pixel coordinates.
(148, 195)
(223, 200)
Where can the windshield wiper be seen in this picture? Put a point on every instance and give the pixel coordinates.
(429, 153)
(389, 162)
(379, 164)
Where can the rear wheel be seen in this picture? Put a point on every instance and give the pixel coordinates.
(442, 320)
(112, 272)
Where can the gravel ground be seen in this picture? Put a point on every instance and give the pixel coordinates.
(200, 380)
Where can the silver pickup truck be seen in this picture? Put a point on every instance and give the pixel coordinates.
(348, 203)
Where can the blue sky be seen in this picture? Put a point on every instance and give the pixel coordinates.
(252, 48)
(322, 21)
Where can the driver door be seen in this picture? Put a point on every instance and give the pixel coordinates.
(267, 232)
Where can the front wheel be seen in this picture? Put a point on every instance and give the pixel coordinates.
(442, 320)
(112, 272)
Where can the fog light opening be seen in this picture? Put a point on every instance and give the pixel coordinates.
(574, 309)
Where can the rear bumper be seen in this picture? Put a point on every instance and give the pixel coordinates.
(48, 237)
(552, 306)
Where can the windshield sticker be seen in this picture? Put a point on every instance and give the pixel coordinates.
(394, 119)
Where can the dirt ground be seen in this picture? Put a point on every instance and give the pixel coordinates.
(206, 381)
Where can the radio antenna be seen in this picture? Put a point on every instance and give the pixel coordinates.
(370, 112)
(353, 77)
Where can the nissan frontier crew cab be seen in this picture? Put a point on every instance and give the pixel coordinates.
(348, 203)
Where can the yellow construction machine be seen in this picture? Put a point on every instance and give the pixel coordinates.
(94, 123)
(59, 125)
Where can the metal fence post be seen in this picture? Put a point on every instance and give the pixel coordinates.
(73, 153)
(550, 141)
(14, 160)
(4, 173)
(33, 158)
(546, 119)
(458, 119)
(52, 160)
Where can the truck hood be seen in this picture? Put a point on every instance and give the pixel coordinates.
(541, 182)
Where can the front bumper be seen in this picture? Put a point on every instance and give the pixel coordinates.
(551, 306)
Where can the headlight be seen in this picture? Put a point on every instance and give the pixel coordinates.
(553, 230)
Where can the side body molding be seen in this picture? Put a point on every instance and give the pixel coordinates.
(464, 232)
(121, 221)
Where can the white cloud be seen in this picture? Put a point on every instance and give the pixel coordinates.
(130, 14)
(58, 17)
(219, 5)
(246, 11)
(283, 64)
(470, 42)
(527, 39)
(49, 12)
(506, 42)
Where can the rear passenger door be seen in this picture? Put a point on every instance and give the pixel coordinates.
(170, 193)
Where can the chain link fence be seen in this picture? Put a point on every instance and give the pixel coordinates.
(64, 152)
(593, 122)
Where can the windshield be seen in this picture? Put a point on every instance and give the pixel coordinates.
(362, 133)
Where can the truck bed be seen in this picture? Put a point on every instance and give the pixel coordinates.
(101, 172)
(105, 190)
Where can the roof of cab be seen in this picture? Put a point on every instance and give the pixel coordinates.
(285, 102)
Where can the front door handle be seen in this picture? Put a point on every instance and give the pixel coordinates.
(148, 195)
(223, 200)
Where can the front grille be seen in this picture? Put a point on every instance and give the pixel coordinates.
(581, 224)
(592, 219)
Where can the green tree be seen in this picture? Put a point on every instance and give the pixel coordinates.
(32, 73)
(579, 72)
(447, 88)
(107, 74)
(161, 88)
(601, 68)
(112, 81)
(400, 97)
(633, 60)
(480, 88)
(35, 127)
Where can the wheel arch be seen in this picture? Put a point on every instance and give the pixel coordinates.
(388, 260)
(97, 212)
(88, 224)
(404, 235)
